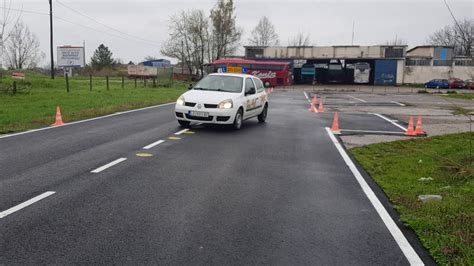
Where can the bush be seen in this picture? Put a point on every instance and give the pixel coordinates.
(451, 92)
(422, 91)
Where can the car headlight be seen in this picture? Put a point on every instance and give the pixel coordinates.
(180, 100)
(226, 104)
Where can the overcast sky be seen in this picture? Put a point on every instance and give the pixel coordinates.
(328, 22)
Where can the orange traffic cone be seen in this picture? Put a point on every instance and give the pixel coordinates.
(419, 126)
(335, 124)
(313, 105)
(59, 118)
(315, 100)
(410, 130)
(321, 107)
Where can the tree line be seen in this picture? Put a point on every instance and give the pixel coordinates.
(198, 37)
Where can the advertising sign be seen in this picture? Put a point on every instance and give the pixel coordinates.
(70, 56)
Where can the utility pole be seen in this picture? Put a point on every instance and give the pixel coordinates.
(353, 26)
(51, 36)
(182, 58)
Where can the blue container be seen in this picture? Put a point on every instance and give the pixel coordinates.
(385, 72)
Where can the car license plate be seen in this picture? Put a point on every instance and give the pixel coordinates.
(199, 114)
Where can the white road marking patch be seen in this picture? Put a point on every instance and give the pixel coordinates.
(391, 121)
(147, 147)
(402, 242)
(25, 204)
(359, 99)
(85, 120)
(306, 95)
(102, 168)
(401, 104)
(181, 132)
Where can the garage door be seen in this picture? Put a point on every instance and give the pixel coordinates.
(385, 72)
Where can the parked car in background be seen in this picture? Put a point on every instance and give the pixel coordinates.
(437, 84)
(469, 83)
(456, 83)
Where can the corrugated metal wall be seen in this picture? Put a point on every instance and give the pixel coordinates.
(385, 72)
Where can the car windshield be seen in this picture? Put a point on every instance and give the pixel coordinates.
(220, 83)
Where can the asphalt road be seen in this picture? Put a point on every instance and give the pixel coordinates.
(273, 193)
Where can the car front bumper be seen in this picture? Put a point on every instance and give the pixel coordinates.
(216, 115)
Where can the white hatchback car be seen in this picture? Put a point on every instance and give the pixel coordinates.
(223, 98)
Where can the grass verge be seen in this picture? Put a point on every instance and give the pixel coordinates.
(446, 228)
(463, 96)
(37, 108)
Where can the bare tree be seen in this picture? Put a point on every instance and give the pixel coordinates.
(225, 34)
(300, 40)
(264, 34)
(396, 42)
(457, 35)
(7, 22)
(22, 48)
(189, 39)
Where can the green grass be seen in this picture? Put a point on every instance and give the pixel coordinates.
(37, 109)
(464, 96)
(445, 228)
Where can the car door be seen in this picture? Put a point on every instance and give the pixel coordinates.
(261, 95)
(250, 98)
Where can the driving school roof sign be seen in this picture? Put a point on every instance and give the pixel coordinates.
(71, 56)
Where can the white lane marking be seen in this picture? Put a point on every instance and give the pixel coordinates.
(25, 204)
(372, 131)
(102, 168)
(401, 104)
(85, 120)
(402, 242)
(307, 97)
(359, 99)
(181, 131)
(391, 121)
(147, 147)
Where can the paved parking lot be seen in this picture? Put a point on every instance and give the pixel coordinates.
(283, 192)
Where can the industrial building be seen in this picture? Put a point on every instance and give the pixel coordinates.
(377, 65)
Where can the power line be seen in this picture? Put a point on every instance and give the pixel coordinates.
(78, 24)
(105, 25)
(455, 21)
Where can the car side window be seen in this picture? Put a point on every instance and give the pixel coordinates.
(248, 85)
(259, 85)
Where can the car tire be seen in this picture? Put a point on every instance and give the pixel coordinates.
(262, 117)
(183, 123)
(239, 119)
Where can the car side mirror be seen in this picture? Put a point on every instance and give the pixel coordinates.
(251, 91)
(190, 87)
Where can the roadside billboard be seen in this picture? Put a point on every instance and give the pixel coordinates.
(71, 56)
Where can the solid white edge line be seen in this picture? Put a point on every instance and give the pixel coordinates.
(25, 204)
(153, 144)
(307, 97)
(181, 131)
(401, 104)
(85, 120)
(359, 99)
(397, 234)
(102, 168)
(390, 121)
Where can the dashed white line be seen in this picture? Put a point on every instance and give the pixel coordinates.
(391, 121)
(25, 204)
(181, 131)
(401, 104)
(153, 144)
(392, 227)
(359, 99)
(307, 97)
(102, 168)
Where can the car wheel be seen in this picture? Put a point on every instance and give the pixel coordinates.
(238, 119)
(262, 117)
(437, 87)
(183, 123)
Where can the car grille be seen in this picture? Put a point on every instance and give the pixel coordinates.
(189, 104)
(222, 118)
(188, 116)
(210, 105)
